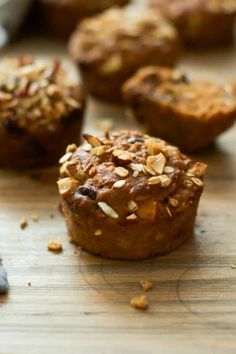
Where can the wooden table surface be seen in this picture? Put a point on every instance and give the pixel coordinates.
(78, 303)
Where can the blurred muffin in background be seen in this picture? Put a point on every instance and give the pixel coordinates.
(188, 113)
(62, 16)
(201, 23)
(110, 47)
(41, 112)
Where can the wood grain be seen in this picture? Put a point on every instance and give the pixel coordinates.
(78, 303)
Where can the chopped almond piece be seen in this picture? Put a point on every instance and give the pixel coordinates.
(55, 246)
(139, 302)
(146, 285)
(23, 224)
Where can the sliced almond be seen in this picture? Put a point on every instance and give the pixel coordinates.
(122, 157)
(154, 146)
(121, 171)
(67, 185)
(132, 217)
(156, 163)
(87, 147)
(65, 157)
(107, 210)
(99, 150)
(198, 169)
(92, 140)
(132, 206)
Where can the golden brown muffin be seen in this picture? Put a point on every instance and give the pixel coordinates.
(201, 23)
(110, 47)
(129, 196)
(40, 112)
(189, 114)
(62, 16)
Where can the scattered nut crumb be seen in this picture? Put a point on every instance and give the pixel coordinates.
(23, 224)
(139, 302)
(52, 216)
(146, 285)
(55, 246)
(233, 266)
(34, 217)
(29, 283)
(98, 232)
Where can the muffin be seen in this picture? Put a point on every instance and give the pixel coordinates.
(40, 112)
(62, 16)
(129, 196)
(106, 58)
(200, 23)
(189, 114)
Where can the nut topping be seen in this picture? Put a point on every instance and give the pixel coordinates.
(121, 172)
(132, 206)
(198, 169)
(71, 148)
(98, 232)
(132, 217)
(37, 100)
(65, 157)
(156, 163)
(108, 211)
(119, 184)
(173, 202)
(99, 150)
(197, 181)
(168, 169)
(92, 140)
(122, 157)
(67, 185)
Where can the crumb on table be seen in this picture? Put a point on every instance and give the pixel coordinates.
(55, 246)
(139, 302)
(34, 217)
(23, 224)
(146, 285)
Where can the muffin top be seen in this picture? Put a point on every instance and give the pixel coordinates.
(35, 96)
(128, 176)
(178, 8)
(127, 33)
(172, 89)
